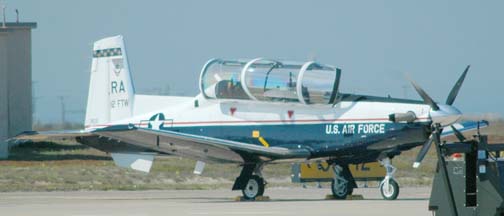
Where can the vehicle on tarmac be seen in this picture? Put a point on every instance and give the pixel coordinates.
(254, 112)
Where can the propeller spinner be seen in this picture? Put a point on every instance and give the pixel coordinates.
(440, 114)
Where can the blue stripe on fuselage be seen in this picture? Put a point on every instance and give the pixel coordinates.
(320, 138)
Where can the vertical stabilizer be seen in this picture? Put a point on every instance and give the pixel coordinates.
(111, 91)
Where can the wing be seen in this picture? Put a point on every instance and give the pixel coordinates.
(199, 147)
(128, 139)
(464, 127)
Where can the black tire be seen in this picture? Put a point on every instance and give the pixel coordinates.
(253, 188)
(394, 190)
(341, 195)
(261, 191)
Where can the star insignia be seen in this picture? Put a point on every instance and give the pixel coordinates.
(156, 122)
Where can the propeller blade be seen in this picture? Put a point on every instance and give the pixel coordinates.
(423, 152)
(454, 92)
(458, 134)
(427, 99)
(434, 137)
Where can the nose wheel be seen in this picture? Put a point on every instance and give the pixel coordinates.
(389, 188)
(389, 191)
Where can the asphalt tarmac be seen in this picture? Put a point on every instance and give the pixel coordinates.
(284, 201)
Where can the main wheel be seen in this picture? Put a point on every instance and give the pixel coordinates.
(254, 187)
(340, 189)
(391, 192)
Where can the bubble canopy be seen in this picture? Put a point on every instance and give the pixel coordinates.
(270, 80)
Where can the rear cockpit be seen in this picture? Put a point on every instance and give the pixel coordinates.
(270, 80)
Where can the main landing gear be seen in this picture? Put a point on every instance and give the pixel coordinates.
(388, 187)
(250, 181)
(343, 182)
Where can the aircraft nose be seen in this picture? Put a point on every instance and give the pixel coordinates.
(446, 115)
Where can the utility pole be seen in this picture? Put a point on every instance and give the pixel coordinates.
(34, 99)
(312, 56)
(3, 14)
(167, 90)
(405, 90)
(66, 112)
(63, 110)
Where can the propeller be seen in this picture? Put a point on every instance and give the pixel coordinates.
(454, 92)
(441, 115)
(423, 152)
(427, 99)
(458, 134)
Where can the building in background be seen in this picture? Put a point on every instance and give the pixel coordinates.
(15, 81)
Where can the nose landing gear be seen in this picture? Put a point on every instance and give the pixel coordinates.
(389, 187)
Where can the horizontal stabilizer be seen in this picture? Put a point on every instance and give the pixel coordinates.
(140, 162)
(49, 135)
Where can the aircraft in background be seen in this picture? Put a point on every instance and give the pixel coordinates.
(255, 112)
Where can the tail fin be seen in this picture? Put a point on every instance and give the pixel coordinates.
(111, 91)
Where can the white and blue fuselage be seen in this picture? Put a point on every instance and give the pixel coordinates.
(324, 129)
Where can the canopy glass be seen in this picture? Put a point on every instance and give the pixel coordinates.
(270, 80)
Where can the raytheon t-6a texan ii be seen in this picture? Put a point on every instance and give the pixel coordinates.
(255, 112)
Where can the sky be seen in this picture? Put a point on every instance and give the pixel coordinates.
(376, 43)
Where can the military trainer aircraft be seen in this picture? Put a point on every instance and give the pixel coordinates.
(254, 112)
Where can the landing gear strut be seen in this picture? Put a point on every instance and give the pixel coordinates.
(250, 181)
(388, 187)
(343, 183)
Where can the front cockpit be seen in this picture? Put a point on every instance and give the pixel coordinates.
(270, 80)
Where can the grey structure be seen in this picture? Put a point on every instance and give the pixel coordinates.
(15, 81)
